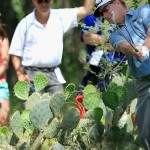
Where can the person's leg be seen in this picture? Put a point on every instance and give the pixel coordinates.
(54, 89)
(4, 104)
(143, 112)
(4, 112)
(54, 86)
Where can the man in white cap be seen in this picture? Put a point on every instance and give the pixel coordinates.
(131, 36)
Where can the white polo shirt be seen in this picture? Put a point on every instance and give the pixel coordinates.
(42, 46)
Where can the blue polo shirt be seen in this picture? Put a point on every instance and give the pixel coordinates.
(90, 21)
(135, 28)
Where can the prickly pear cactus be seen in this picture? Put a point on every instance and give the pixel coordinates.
(112, 86)
(16, 125)
(121, 93)
(132, 93)
(111, 99)
(118, 80)
(21, 90)
(95, 134)
(89, 89)
(69, 92)
(52, 129)
(41, 114)
(97, 114)
(4, 132)
(40, 81)
(70, 119)
(56, 103)
(91, 100)
(25, 121)
(33, 99)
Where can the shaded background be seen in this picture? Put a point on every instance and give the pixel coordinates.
(14, 10)
(72, 67)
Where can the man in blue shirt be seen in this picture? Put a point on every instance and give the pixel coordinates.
(132, 37)
(91, 36)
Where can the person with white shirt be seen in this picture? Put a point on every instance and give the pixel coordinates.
(37, 43)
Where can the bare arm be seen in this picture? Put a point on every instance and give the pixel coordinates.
(5, 56)
(92, 39)
(95, 39)
(83, 11)
(147, 40)
(127, 49)
(21, 75)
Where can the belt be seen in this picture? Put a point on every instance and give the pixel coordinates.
(32, 68)
(146, 78)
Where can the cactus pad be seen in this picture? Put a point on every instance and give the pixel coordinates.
(52, 129)
(94, 134)
(97, 114)
(16, 126)
(32, 100)
(91, 100)
(112, 86)
(40, 81)
(121, 92)
(69, 91)
(118, 80)
(21, 90)
(25, 121)
(70, 119)
(89, 89)
(4, 132)
(41, 114)
(57, 103)
(111, 99)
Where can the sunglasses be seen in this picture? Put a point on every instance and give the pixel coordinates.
(43, 1)
(106, 8)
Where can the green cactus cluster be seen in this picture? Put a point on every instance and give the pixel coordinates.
(54, 121)
(21, 90)
(40, 81)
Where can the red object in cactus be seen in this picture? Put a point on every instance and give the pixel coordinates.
(133, 117)
(79, 105)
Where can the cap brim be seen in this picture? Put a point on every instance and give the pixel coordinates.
(96, 12)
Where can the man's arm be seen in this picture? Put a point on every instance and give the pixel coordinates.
(92, 39)
(5, 56)
(83, 11)
(127, 49)
(21, 75)
(147, 40)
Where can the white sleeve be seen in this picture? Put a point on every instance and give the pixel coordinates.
(17, 43)
(68, 17)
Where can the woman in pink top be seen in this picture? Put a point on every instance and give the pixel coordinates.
(4, 91)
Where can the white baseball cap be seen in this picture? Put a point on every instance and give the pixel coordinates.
(99, 3)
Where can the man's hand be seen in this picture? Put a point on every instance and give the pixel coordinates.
(143, 53)
(86, 9)
(139, 53)
(23, 77)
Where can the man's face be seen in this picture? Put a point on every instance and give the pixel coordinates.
(42, 5)
(106, 11)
